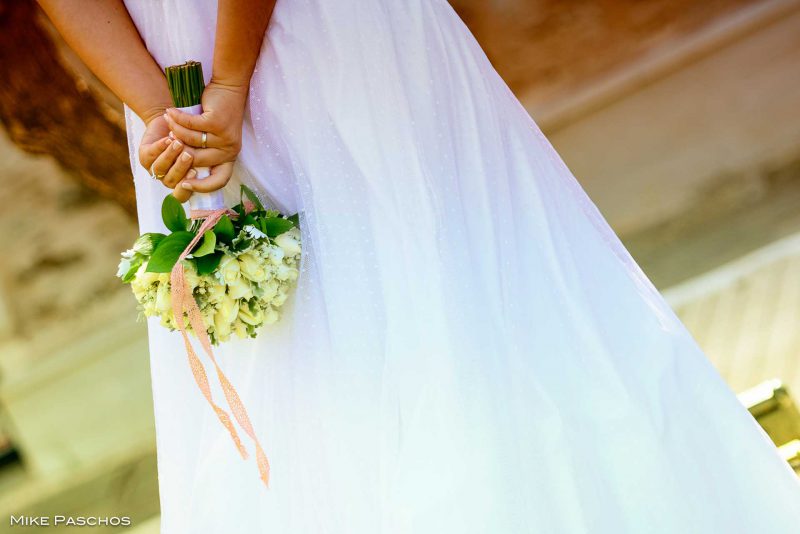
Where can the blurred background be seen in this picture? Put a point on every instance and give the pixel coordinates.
(680, 118)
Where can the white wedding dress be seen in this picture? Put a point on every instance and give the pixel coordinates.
(470, 349)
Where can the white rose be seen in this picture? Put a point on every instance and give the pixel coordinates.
(163, 299)
(252, 267)
(190, 274)
(149, 308)
(215, 292)
(142, 282)
(283, 272)
(229, 268)
(249, 317)
(240, 329)
(270, 316)
(227, 312)
(289, 242)
(276, 255)
(208, 314)
(241, 288)
(270, 289)
(279, 299)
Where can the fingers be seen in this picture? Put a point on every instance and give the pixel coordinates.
(162, 164)
(149, 152)
(192, 122)
(192, 137)
(216, 180)
(180, 169)
(211, 157)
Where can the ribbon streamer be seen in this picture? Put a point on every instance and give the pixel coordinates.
(183, 301)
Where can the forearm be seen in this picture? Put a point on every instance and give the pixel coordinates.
(102, 33)
(241, 25)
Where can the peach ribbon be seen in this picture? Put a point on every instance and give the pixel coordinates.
(183, 300)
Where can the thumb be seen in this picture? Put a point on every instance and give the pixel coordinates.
(181, 194)
(216, 180)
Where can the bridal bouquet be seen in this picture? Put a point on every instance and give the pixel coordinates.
(239, 272)
(222, 272)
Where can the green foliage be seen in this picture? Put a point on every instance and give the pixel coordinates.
(275, 226)
(224, 230)
(162, 252)
(168, 251)
(173, 215)
(136, 262)
(246, 191)
(206, 246)
(208, 263)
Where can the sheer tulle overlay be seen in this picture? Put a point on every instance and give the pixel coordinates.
(470, 349)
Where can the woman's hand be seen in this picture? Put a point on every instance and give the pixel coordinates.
(223, 114)
(164, 157)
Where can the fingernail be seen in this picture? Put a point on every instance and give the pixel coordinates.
(186, 156)
(187, 186)
(176, 145)
(192, 173)
(168, 141)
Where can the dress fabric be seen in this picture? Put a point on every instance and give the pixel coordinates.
(470, 349)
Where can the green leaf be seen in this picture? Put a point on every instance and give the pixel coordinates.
(246, 191)
(173, 215)
(224, 229)
(207, 245)
(135, 264)
(295, 219)
(242, 242)
(275, 226)
(207, 264)
(168, 252)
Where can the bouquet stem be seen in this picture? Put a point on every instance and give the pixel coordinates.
(186, 86)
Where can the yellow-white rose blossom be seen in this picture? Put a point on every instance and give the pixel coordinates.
(270, 316)
(289, 242)
(215, 291)
(163, 299)
(249, 317)
(223, 319)
(142, 281)
(240, 289)
(192, 278)
(252, 267)
(240, 329)
(229, 268)
(270, 289)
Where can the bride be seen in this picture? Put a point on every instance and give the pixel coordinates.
(470, 349)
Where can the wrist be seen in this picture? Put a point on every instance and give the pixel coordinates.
(235, 85)
(150, 114)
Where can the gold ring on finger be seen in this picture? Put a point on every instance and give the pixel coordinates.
(155, 175)
(203, 139)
